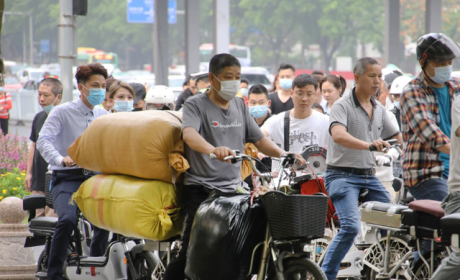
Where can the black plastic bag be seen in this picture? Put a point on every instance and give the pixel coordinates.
(225, 232)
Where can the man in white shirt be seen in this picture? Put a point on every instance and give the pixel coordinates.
(306, 126)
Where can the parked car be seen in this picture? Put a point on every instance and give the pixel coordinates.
(11, 83)
(257, 75)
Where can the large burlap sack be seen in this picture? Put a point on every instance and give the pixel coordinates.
(250, 150)
(131, 206)
(141, 144)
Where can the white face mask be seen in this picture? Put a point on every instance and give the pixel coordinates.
(228, 89)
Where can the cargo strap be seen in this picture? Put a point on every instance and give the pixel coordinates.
(174, 116)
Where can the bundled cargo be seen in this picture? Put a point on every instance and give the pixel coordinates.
(143, 144)
(250, 150)
(225, 232)
(130, 206)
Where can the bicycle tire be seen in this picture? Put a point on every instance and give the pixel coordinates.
(420, 270)
(402, 242)
(144, 264)
(301, 268)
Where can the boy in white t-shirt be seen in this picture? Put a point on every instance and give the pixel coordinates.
(306, 126)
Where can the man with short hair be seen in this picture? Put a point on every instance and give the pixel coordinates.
(49, 95)
(281, 100)
(187, 93)
(356, 122)
(139, 96)
(64, 125)
(258, 104)
(215, 123)
(426, 121)
(306, 126)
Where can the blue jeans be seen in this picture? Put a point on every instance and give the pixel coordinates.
(433, 189)
(63, 186)
(343, 189)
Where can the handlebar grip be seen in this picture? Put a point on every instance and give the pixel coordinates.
(372, 148)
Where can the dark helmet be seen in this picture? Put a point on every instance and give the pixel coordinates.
(437, 46)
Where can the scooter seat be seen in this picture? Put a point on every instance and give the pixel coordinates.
(420, 224)
(451, 224)
(431, 207)
(43, 222)
(381, 214)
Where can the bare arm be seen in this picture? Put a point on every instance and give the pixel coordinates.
(342, 137)
(197, 143)
(267, 147)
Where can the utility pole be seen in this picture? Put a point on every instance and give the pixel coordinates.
(221, 26)
(31, 39)
(66, 45)
(160, 43)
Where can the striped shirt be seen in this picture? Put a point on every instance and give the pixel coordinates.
(347, 111)
(421, 134)
(5, 104)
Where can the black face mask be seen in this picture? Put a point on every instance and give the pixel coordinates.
(137, 109)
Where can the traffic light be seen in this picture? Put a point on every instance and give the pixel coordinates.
(80, 7)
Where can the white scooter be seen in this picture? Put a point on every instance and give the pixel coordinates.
(123, 259)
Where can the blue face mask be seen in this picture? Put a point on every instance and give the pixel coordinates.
(50, 107)
(397, 104)
(441, 74)
(123, 106)
(286, 83)
(244, 91)
(1, 89)
(96, 95)
(258, 111)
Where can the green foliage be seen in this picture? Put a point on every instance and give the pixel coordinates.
(12, 184)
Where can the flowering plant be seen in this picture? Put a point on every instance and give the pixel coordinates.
(12, 184)
(13, 163)
(13, 153)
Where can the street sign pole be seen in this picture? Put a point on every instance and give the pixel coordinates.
(160, 43)
(65, 50)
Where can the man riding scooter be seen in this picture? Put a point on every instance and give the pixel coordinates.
(215, 123)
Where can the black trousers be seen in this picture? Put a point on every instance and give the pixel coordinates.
(192, 197)
(4, 126)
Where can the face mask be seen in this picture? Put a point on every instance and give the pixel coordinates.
(397, 104)
(244, 92)
(1, 89)
(96, 95)
(137, 109)
(258, 111)
(123, 106)
(441, 74)
(49, 107)
(286, 84)
(228, 89)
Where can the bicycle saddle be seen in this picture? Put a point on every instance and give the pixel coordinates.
(431, 207)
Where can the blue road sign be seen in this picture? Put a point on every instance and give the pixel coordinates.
(140, 11)
(45, 46)
(172, 8)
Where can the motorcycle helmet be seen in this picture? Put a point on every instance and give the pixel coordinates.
(398, 84)
(437, 46)
(160, 98)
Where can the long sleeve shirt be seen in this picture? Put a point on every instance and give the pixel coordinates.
(420, 118)
(5, 104)
(64, 125)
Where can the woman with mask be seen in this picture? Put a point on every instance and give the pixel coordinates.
(5, 106)
(332, 88)
(121, 97)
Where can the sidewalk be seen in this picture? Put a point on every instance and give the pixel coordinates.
(21, 130)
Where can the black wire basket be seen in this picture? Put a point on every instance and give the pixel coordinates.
(49, 198)
(295, 216)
